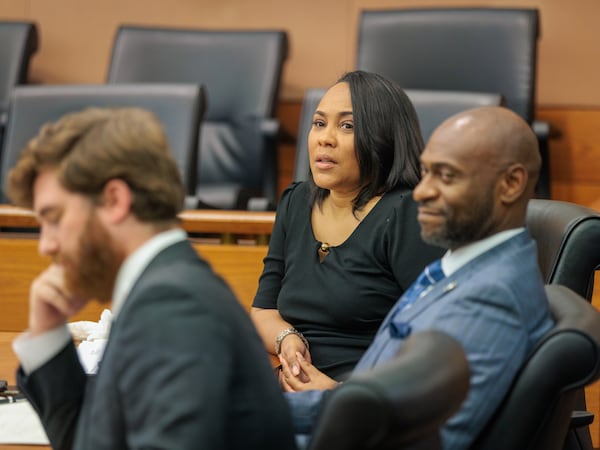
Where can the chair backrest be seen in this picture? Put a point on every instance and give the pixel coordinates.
(462, 49)
(311, 100)
(178, 106)
(433, 107)
(399, 404)
(241, 70)
(568, 240)
(18, 43)
(536, 413)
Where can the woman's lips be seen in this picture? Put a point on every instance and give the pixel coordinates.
(324, 162)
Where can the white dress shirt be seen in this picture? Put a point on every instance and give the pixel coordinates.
(454, 260)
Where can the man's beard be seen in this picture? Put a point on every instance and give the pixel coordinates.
(468, 227)
(91, 273)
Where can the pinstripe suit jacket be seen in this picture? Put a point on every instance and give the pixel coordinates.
(496, 307)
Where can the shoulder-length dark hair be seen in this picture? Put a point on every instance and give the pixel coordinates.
(387, 138)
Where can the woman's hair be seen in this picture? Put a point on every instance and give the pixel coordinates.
(93, 146)
(387, 138)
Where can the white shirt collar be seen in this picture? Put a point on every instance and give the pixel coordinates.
(454, 260)
(134, 265)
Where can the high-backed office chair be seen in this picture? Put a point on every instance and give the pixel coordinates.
(568, 240)
(179, 107)
(18, 43)
(311, 100)
(432, 107)
(536, 413)
(400, 404)
(462, 49)
(241, 71)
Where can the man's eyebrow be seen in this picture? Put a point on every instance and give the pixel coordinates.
(443, 165)
(45, 211)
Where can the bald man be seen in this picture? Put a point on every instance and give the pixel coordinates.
(479, 171)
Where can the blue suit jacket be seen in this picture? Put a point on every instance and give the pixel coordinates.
(496, 307)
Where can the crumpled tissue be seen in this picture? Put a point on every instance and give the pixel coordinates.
(93, 337)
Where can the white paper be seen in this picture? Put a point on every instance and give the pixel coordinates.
(93, 337)
(20, 424)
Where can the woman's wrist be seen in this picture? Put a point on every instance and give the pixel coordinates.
(285, 333)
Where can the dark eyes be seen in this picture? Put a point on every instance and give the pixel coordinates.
(445, 175)
(318, 123)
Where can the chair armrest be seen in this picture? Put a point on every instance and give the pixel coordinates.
(270, 127)
(545, 130)
(541, 128)
(581, 419)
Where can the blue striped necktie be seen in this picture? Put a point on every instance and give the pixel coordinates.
(383, 348)
(430, 275)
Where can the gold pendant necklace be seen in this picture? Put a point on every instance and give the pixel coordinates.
(323, 251)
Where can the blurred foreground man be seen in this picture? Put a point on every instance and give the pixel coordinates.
(183, 367)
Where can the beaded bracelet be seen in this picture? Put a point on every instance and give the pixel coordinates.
(285, 333)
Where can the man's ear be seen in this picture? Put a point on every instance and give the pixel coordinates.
(513, 183)
(116, 200)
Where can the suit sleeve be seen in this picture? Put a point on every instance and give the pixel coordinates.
(56, 392)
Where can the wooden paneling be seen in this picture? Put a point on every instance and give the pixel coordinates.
(574, 151)
(76, 37)
(239, 265)
(574, 154)
(20, 263)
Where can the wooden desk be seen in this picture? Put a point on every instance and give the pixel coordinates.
(239, 265)
(8, 366)
(226, 225)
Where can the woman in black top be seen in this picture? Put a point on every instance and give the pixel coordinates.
(346, 243)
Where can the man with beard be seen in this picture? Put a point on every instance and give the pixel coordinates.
(479, 171)
(183, 367)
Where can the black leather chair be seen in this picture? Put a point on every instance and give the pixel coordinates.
(536, 413)
(432, 107)
(463, 49)
(179, 106)
(241, 71)
(568, 239)
(18, 43)
(399, 405)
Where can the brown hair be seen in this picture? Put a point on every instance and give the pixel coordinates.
(93, 146)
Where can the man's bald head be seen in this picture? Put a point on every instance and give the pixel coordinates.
(479, 170)
(496, 135)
